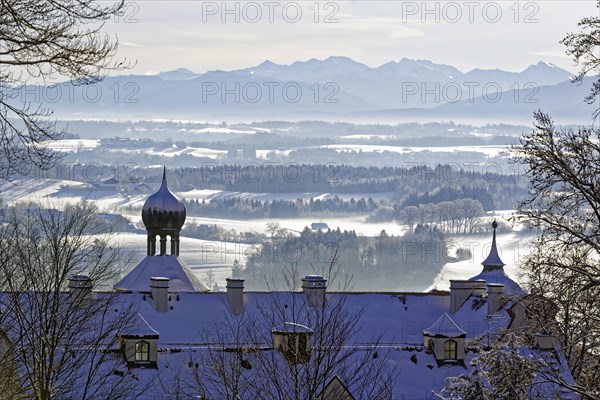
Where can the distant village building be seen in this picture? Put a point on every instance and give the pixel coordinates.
(108, 184)
(319, 226)
(241, 154)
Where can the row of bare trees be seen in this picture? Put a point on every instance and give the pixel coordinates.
(563, 165)
(50, 338)
(453, 217)
(55, 340)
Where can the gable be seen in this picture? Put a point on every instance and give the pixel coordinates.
(335, 390)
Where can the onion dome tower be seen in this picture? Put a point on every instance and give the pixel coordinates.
(163, 215)
(493, 269)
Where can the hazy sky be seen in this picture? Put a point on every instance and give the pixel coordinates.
(207, 35)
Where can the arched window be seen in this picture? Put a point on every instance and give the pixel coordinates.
(142, 351)
(450, 350)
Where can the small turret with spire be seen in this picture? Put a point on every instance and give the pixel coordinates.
(493, 261)
(493, 269)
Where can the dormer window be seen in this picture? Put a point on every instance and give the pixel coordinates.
(142, 351)
(139, 344)
(445, 340)
(293, 341)
(450, 350)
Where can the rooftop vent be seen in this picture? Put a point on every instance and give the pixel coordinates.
(159, 287)
(315, 288)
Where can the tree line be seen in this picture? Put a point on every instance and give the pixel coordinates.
(236, 207)
(407, 262)
(460, 216)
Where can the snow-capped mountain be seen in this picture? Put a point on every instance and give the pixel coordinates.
(336, 85)
(309, 71)
(177, 74)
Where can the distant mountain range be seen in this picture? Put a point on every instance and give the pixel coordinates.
(336, 88)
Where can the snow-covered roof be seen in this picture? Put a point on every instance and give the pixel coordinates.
(195, 319)
(181, 277)
(139, 328)
(195, 324)
(446, 327)
(292, 327)
(418, 373)
(499, 276)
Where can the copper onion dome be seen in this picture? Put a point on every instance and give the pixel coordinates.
(163, 210)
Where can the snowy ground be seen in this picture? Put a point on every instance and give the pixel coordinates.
(55, 193)
(69, 145)
(41, 190)
(488, 151)
(175, 151)
(213, 260)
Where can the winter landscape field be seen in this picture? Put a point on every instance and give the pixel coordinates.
(292, 200)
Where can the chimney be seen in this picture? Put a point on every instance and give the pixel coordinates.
(479, 288)
(235, 295)
(546, 342)
(495, 291)
(460, 291)
(315, 288)
(159, 288)
(81, 288)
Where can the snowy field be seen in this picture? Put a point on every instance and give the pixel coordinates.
(488, 151)
(212, 260)
(55, 193)
(209, 194)
(73, 145)
(69, 145)
(175, 151)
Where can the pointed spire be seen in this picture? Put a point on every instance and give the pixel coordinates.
(493, 260)
(164, 179)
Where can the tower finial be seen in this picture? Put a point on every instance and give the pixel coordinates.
(164, 179)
